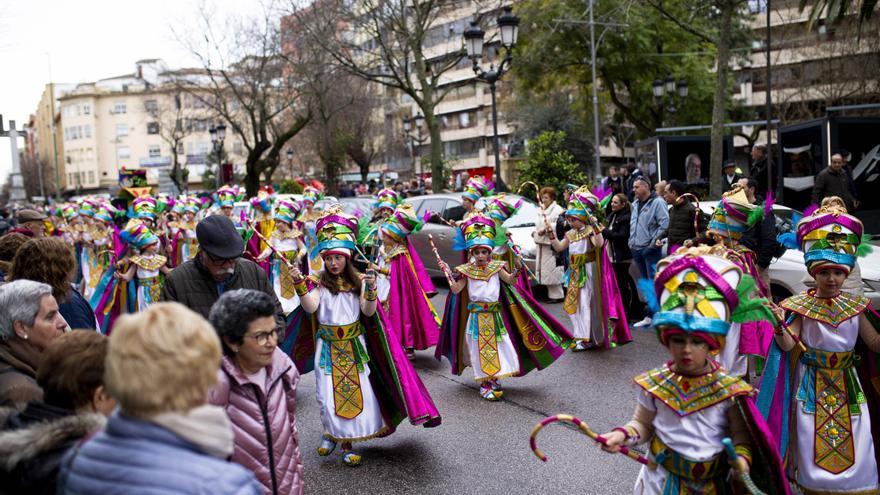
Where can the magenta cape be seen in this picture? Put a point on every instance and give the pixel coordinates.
(538, 338)
(409, 311)
(615, 314)
(755, 336)
(399, 390)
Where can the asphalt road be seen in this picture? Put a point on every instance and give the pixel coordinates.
(483, 447)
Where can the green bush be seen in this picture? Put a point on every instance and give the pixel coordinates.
(548, 163)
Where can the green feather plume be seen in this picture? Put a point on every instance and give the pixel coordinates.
(750, 307)
(865, 247)
(367, 231)
(755, 216)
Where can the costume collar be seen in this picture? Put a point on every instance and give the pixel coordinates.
(833, 311)
(688, 394)
(471, 270)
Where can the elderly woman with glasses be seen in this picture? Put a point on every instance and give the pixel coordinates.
(257, 387)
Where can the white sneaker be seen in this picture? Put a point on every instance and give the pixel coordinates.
(646, 322)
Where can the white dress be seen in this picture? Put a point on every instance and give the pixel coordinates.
(344, 309)
(696, 436)
(288, 304)
(586, 321)
(861, 477)
(144, 296)
(383, 282)
(489, 291)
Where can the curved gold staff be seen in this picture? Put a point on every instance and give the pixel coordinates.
(585, 429)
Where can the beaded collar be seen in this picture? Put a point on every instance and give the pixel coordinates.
(689, 394)
(151, 263)
(471, 270)
(833, 311)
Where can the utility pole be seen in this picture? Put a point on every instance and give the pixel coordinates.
(769, 110)
(597, 166)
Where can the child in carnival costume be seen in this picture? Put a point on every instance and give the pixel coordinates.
(147, 266)
(365, 384)
(475, 188)
(592, 299)
(408, 288)
(823, 403)
(488, 322)
(387, 200)
(500, 209)
(100, 250)
(287, 242)
(732, 217)
(308, 218)
(110, 297)
(688, 406)
(261, 205)
(174, 232)
(371, 239)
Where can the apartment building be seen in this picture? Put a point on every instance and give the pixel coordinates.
(130, 122)
(41, 144)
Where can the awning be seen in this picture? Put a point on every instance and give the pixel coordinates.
(137, 192)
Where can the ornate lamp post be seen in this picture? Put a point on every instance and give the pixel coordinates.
(670, 92)
(290, 161)
(218, 134)
(508, 25)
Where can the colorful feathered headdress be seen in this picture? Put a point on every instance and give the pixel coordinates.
(699, 291)
(69, 212)
(500, 208)
(287, 211)
(582, 204)
(831, 238)
(138, 235)
(403, 222)
(144, 207)
(228, 195)
(262, 202)
(106, 212)
(192, 205)
(476, 188)
(312, 195)
(337, 232)
(734, 215)
(478, 230)
(87, 207)
(387, 198)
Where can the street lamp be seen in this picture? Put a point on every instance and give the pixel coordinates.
(218, 134)
(290, 161)
(508, 25)
(419, 121)
(669, 89)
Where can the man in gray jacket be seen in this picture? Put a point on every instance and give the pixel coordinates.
(648, 222)
(219, 267)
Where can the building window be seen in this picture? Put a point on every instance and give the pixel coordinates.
(153, 128)
(237, 147)
(123, 153)
(87, 130)
(200, 125)
(155, 151)
(119, 107)
(151, 106)
(91, 177)
(87, 109)
(121, 130)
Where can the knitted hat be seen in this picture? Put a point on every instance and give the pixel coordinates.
(831, 238)
(387, 198)
(138, 235)
(476, 188)
(500, 208)
(734, 215)
(337, 232)
(582, 204)
(698, 291)
(287, 211)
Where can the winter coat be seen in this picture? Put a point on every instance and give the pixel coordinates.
(77, 312)
(551, 214)
(617, 234)
(648, 221)
(18, 373)
(271, 453)
(681, 223)
(33, 442)
(758, 171)
(830, 183)
(761, 238)
(191, 284)
(133, 457)
(727, 185)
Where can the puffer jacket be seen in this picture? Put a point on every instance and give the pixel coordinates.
(264, 423)
(191, 284)
(134, 457)
(33, 441)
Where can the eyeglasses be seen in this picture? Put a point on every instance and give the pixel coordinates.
(264, 337)
(221, 261)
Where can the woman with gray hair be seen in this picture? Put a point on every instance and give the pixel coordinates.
(257, 388)
(29, 322)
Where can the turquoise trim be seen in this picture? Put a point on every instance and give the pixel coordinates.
(690, 323)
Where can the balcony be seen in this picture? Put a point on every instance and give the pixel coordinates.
(155, 161)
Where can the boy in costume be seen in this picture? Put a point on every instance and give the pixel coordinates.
(365, 384)
(822, 404)
(500, 208)
(489, 323)
(287, 242)
(689, 405)
(593, 298)
(147, 266)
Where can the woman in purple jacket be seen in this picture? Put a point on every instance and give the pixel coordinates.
(257, 387)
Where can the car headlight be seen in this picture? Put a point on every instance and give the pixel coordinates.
(872, 285)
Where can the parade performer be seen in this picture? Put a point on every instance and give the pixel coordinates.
(99, 250)
(731, 219)
(370, 239)
(500, 208)
(110, 298)
(308, 219)
(365, 384)
(285, 241)
(409, 287)
(475, 188)
(147, 266)
(822, 403)
(488, 322)
(261, 206)
(592, 300)
(87, 209)
(386, 201)
(687, 407)
(144, 209)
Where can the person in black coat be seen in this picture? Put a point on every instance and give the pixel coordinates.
(729, 177)
(761, 237)
(33, 441)
(758, 170)
(617, 234)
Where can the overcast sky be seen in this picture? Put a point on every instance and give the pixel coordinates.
(86, 40)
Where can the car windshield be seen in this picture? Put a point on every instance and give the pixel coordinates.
(526, 216)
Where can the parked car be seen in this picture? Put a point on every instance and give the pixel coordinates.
(448, 206)
(788, 274)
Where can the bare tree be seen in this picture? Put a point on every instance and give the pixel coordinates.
(401, 44)
(168, 115)
(248, 83)
(31, 168)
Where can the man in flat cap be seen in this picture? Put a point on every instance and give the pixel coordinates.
(217, 268)
(31, 220)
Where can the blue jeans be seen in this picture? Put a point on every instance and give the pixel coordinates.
(646, 260)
